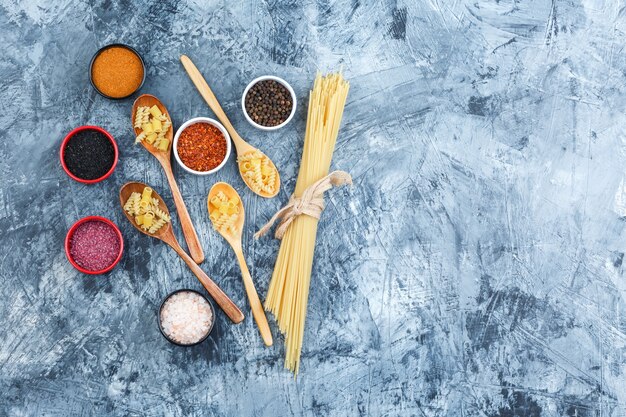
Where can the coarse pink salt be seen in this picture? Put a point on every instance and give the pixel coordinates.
(186, 317)
(94, 245)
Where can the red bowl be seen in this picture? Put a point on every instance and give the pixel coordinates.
(67, 139)
(73, 229)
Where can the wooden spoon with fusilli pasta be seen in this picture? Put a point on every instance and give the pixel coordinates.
(166, 234)
(256, 169)
(227, 215)
(164, 158)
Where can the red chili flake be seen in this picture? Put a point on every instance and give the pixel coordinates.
(94, 245)
(201, 147)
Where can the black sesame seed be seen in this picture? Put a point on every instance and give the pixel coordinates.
(89, 154)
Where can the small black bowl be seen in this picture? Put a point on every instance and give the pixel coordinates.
(161, 327)
(104, 48)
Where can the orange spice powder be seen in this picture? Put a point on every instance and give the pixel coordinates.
(117, 72)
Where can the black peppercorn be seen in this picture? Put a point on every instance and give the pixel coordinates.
(268, 103)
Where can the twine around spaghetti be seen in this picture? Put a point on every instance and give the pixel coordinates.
(311, 203)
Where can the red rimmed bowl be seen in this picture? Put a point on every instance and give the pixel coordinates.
(66, 140)
(70, 234)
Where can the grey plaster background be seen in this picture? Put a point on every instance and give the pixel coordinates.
(475, 268)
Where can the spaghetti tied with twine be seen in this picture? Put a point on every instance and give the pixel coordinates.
(311, 203)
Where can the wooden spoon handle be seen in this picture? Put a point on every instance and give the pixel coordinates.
(255, 303)
(209, 97)
(226, 304)
(189, 232)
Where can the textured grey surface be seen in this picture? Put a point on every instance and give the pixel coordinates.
(475, 269)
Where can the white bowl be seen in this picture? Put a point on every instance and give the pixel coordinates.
(279, 80)
(201, 120)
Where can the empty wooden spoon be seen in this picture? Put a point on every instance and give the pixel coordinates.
(164, 157)
(242, 147)
(166, 234)
(230, 228)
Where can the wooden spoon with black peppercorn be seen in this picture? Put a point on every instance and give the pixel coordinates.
(271, 177)
(164, 157)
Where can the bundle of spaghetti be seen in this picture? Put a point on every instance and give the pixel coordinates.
(288, 292)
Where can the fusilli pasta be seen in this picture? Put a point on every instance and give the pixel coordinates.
(154, 126)
(130, 203)
(224, 212)
(146, 211)
(141, 117)
(258, 172)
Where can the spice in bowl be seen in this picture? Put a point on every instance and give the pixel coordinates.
(117, 71)
(186, 317)
(94, 246)
(268, 103)
(201, 147)
(88, 154)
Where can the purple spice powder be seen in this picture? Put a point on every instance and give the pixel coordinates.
(94, 245)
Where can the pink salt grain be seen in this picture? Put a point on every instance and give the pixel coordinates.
(94, 245)
(186, 317)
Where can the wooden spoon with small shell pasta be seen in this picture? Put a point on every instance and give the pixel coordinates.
(164, 157)
(166, 234)
(242, 147)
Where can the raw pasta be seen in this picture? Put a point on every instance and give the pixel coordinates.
(224, 213)
(156, 225)
(146, 211)
(140, 137)
(288, 293)
(154, 126)
(164, 127)
(258, 172)
(161, 214)
(130, 203)
(141, 117)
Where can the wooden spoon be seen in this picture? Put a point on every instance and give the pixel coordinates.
(164, 157)
(166, 234)
(241, 145)
(234, 239)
